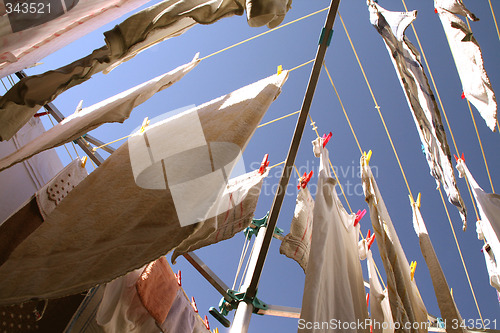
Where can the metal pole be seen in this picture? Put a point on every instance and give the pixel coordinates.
(292, 153)
(244, 310)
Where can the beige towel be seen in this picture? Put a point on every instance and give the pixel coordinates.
(297, 244)
(108, 225)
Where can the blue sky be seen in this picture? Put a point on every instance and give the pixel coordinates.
(282, 280)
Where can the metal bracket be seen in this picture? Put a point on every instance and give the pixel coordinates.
(236, 297)
(255, 226)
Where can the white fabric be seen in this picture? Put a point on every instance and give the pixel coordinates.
(181, 318)
(84, 240)
(380, 310)
(492, 266)
(333, 286)
(22, 181)
(468, 58)
(21, 49)
(488, 205)
(114, 109)
(121, 309)
(406, 59)
(49, 196)
(446, 303)
(297, 244)
(406, 304)
(235, 212)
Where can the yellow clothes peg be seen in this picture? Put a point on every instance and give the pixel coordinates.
(84, 161)
(367, 156)
(413, 267)
(280, 69)
(145, 124)
(216, 330)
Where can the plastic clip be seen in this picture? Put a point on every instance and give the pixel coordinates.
(83, 161)
(413, 267)
(145, 124)
(367, 300)
(39, 114)
(459, 158)
(207, 324)
(463, 95)
(279, 70)
(359, 216)
(304, 180)
(370, 239)
(193, 304)
(264, 164)
(367, 156)
(79, 107)
(179, 278)
(326, 138)
(216, 330)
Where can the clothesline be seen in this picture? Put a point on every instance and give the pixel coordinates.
(498, 32)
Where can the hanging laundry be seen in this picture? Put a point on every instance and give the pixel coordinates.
(334, 280)
(84, 319)
(468, 58)
(26, 38)
(267, 12)
(488, 228)
(126, 213)
(297, 244)
(150, 26)
(31, 215)
(113, 109)
(181, 317)
(446, 303)
(237, 204)
(406, 59)
(121, 309)
(380, 310)
(405, 301)
(22, 181)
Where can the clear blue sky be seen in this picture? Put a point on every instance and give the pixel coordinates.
(282, 281)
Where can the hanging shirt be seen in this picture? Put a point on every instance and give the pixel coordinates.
(446, 303)
(166, 19)
(333, 286)
(132, 205)
(468, 58)
(380, 310)
(391, 26)
(297, 244)
(113, 109)
(406, 304)
(237, 206)
(488, 205)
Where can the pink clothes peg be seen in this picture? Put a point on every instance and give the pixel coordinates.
(326, 138)
(264, 164)
(370, 242)
(359, 216)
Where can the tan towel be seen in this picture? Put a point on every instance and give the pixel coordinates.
(157, 287)
(297, 244)
(108, 225)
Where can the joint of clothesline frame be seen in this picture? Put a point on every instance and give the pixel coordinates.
(264, 33)
(325, 34)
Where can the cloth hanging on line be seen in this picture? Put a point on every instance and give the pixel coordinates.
(84, 318)
(181, 318)
(446, 303)
(267, 12)
(31, 215)
(113, 109)
(237, 204)
(333, 285)
(406, 60)
(488, 228)
(140, 192)
(297, 244)
(27, 37)
(466, 52)
(380, 310)
(142, 30)
(20, 182)
(405, 301)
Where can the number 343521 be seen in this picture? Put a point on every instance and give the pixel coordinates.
(27, 8)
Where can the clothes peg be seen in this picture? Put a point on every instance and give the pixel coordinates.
(145, 124)
(413, 267)
(463, 95)
(370, 241)
(326, 138)
(367, 299)
(39, 114)
(418, 200)
(435, 10)
(367, 156)
(359, 216)
(216, 330)
(264, 164)
(83, 161)
(179, 278)
(193, 304)
(304, 180)
(459, 158)
(79, 107)
(207, 324)
(280, 69)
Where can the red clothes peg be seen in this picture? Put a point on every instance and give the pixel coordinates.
(370, 242)
(193, 304)
(367, 299)
(463, 95)
(435, 10)
(326, 138)
(359, 216)
(264, 164)
(304, 180)
(458, 158)
(207, 324)
(39, 114)
(179, 278)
